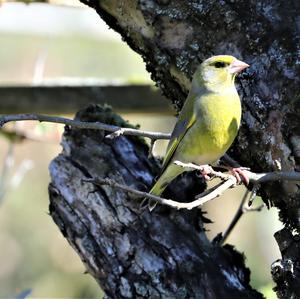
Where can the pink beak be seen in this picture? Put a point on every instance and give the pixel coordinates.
(237, 66)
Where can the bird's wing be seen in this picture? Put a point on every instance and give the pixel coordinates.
(185, 120)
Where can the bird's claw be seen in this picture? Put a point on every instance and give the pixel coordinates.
(205, 171)
(240, 175)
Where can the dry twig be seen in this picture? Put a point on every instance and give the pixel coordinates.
(206, 196)
(164, 201)
(242, 209)
(116, 131)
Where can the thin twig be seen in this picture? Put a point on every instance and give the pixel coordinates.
(210, 170)
(235, 219)
(168, 202)
(202, 198)
(255, 188)
(256, 209)
(253, 177)
(243, 208)
(83, 125)
(256, 178)
(207, 191)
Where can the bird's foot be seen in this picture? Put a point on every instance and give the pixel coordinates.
(240, 174)
(205, 171)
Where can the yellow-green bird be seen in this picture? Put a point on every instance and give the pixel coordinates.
(208, 122)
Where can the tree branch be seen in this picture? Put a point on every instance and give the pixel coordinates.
(117, 131)
(168, 202)
(230, 181)
(255, 178)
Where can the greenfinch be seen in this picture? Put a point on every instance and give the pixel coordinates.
(208, 122)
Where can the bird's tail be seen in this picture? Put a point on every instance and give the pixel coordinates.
(170, 173)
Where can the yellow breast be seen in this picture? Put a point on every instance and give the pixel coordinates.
(218, 120)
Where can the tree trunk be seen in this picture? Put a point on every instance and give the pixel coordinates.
(173, 36)
(131, 252)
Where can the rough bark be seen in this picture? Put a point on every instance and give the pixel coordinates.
(131, 252)
(173, 36)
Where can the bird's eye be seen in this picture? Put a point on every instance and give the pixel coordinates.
(219, 64)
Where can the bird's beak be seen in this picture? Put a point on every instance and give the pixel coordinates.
(237, 66)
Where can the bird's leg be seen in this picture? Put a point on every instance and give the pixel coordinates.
(239, 173)
(205, 171)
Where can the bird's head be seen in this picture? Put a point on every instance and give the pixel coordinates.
(218, 72)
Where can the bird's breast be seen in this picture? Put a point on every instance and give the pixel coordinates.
(218, 120)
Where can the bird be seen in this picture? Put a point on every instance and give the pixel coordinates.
(208, 122)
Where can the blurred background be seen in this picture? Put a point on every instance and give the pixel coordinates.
(68, 44)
